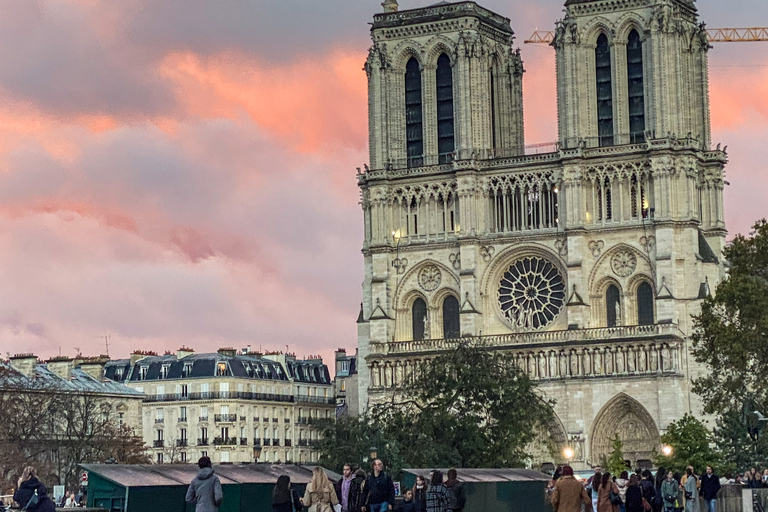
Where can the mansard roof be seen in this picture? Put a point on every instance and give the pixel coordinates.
(46, 380)
(206, 365)
(439, 12)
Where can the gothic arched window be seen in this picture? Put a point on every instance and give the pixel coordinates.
(419, 316)
(613, 306)
(636, 91)
(604, 91)
(413, 114)
(645, 304)
(445, 139)
(451, 324)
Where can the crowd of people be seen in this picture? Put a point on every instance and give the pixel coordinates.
(374, 492)
(641, 491)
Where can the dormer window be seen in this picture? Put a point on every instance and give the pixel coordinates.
(119, 373)
(187, 370)
(221, 369)
(142, 372)
(164, 371)
(345, 366)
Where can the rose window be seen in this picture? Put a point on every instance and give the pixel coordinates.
(531, 293)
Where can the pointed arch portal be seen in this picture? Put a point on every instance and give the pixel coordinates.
(625, 416)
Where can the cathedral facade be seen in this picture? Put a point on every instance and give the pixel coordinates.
(584, 261)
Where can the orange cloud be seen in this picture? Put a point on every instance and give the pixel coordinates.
(315, 104)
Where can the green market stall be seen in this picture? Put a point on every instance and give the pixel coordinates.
(500, 490)
(162, 488)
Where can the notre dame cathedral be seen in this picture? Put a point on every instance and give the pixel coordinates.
(583, 264)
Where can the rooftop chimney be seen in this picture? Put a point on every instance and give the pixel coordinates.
(227, 351)
(61, 366)
(24, 363)
(94, 366)
(184, 352)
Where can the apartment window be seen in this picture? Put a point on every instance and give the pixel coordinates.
(164, 371)
(445, 140)
(159, 415)
(183, 435)
(224, 389)
(204, 412)
(187, 370)
(345, 366)
(119, 373)
(413, 114)
(159, 434)
(221, 369)
(160, 391)
(343, 383)
(204, 453)
(183, 457)
(182, 414)
(225, 433)
(120, 417)
(159, 458)
(184, 391)
(636, 92)
(604, 91)
(204, 433)
(204, 390)
(142, 372)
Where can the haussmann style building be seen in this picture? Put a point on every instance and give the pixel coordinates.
(583, 263)
(233, 406)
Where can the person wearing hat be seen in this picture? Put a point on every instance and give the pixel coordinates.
(570, 494)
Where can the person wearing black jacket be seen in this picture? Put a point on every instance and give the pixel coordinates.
(358, 492)
(710, 485)
(381, 490)
(32, 494)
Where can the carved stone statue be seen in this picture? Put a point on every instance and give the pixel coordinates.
(618, 313)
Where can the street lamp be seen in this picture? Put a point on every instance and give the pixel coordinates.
(666, 450)
(568, 454)
(256, 453)
(374, 453)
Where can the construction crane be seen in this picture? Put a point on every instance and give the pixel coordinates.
(715, 35)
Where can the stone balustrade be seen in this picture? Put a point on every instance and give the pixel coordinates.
(545, 356)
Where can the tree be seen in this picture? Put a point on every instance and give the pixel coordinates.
(616, 463)
(467, 407)
(731, 340)
(692, 445)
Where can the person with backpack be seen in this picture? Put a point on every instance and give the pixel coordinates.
(31, 494)
(649, 490)
(456, 497)
(205, 490)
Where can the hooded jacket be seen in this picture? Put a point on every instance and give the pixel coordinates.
(205, 491)
(25, 492)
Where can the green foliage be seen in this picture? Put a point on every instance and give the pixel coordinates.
(615, 463)
(692, 445)
(469, 407)
(731, 341)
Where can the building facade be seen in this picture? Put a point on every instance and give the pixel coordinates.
(583, 263)
(345, 384)
(232, 407)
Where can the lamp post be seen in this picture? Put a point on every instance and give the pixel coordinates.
(256, 453)
(568, 454)
(666, 450)
(374, 453)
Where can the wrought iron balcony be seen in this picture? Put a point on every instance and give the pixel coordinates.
(181, 442)
(287, 442)
(203, 418)
(303, 442)
(225, 418)
(159, 420)
(243, 441)
(266, 442)
(226, 441)
(202, 441)
(275, 442)
(157, 443)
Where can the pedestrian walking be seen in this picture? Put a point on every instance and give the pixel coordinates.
(420, 493)
(437, 495)
(284, 498)
(343, 486)
(710, 486)
(608, 495)
(320, 496)
(569, 494)
(658, 500)
(649, 490)
(381, 490)
(691, 491)
(622, 482)
(358, 492)
(456, 498)
(205, 490)
(669, 492)
(31, 493)
(593, 484)
(634, 496)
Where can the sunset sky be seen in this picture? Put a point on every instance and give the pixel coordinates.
(182, 172)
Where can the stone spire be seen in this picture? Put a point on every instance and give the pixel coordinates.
(390, 5)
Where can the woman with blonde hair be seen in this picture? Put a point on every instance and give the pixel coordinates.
(31, 494)
(320, 496)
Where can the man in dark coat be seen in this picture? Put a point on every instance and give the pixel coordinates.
(710, 485)
(205, 490)
(456, 497)
(358, 492)
(381, 490)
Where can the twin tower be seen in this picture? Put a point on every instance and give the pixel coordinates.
(583, 263)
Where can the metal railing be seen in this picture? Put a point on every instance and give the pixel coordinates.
(225, 418)
(159, 420)
(157, 443)
(243, 441)
(202, 441)
(181, 442)
(225, 441)
(219, 395)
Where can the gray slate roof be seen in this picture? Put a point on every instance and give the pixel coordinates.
(80, 382)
